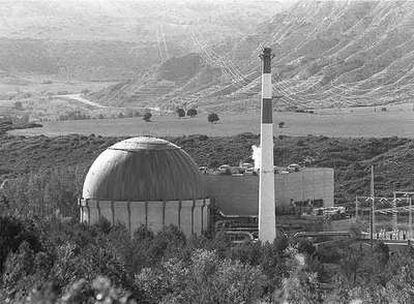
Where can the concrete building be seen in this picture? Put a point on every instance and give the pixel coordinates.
(239, 195)
(146, 181)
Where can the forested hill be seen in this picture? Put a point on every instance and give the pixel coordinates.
(328, 54)
(351, 158)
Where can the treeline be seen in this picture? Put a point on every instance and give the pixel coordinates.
(79, 115)
(57, 261)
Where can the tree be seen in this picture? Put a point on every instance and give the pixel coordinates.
(13, 233)
(180, 112)
(192, 112)
(212, 118)
(18, 105)
(147, 116)
(281, 124)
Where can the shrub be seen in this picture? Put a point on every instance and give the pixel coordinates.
(13, 232)
(147, 116)
(213, 118)
(192, 112)
(100, 290)
(180, 112)
(204, 277)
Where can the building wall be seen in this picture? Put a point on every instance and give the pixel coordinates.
(239, 195)
(191, 216)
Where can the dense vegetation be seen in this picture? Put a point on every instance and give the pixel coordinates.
(55, 261)
(32, 158)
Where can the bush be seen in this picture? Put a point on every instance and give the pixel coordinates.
(13, 232)
(192, 112)
(100, 290)
(180, 112)
(204, 277)
(213, 118)
(147, 116)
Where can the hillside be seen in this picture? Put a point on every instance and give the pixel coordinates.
(328, 54)
(114, 40)
(74, 59)
(351, 158)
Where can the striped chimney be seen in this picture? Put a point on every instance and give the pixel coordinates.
(267, 212)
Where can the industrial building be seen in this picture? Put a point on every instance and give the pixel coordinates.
(239, 195)
(146, 181)
(152, 182)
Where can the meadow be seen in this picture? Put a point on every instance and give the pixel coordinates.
(398, 121)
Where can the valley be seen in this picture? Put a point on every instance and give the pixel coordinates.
(329, 55)
(398, 120)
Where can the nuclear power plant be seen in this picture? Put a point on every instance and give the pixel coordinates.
(152, 182)
(146, 181)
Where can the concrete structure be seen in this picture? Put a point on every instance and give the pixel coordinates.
(239, 195)
(267, 217)
(146, 181)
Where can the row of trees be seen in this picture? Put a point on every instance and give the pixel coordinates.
(212, 117)
(79, 115)
(190, 112)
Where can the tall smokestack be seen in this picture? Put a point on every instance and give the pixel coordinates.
(267, 215)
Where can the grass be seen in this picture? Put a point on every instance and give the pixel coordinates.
(356, 122)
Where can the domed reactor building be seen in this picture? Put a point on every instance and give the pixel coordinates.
(146, 181)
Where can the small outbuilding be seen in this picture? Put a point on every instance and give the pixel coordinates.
(146, 181)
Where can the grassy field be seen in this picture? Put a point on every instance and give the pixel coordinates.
(356, 122)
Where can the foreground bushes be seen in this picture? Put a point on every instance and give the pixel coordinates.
(67, 262)
(205, 277)
(163, 267)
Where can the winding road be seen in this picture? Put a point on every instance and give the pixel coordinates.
(79, 98)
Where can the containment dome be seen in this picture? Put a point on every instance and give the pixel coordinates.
(143, 169)
(146, 181)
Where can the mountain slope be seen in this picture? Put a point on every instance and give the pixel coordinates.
(117, 39)
(328, 54)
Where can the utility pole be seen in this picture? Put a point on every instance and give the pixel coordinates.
(372, 204)
(356, 208)
(410, 218)
(395, 214)
(408, 195)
